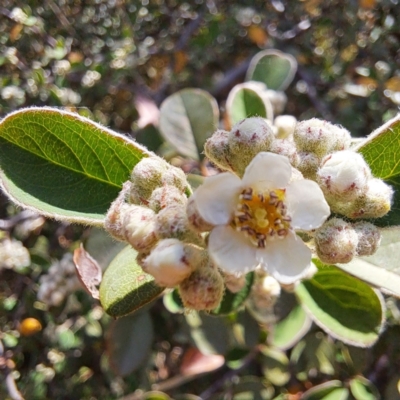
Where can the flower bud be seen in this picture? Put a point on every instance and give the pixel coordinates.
(217, 150)
(320, 137)
(170, 262)
(374, 203)
(285, 125)
(165, 196)
(343, 175)
(172, 222)
(147, 176)
(278, 100)
(139, 227)
(194, 217)
(113, 223)
(369, 238)
(308, 165)
(175, 177)
(336, 241)
(264, 294)
(246, 139)
(234, 282)
(203, 289)
(286, 148)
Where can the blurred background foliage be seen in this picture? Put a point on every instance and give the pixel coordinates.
(115, 61)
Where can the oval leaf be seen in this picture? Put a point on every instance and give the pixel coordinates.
(332, 390)
(290, 330)
(272, 67)
(62, 165)
(362, 389)
(345, 307)
(125, 287)
(382, 153)
(246, 100)
(231, 302)
(382, 269)
(129, 342)
(187, 119)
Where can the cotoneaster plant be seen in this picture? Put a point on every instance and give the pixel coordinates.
(295, 206)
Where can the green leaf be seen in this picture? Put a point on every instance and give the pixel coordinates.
(382, 153)
(345, 307)
(362, 389)
(272, 67)
(62, 165)
(251, 388)
(210, 335)
(275, 365)
(125, 287)
(290, 330)
(332, 390)
(382, 269)
(246, 100)
(129, 342)
(187, 119)
(232, 301)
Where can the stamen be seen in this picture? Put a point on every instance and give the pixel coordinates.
(262, 216)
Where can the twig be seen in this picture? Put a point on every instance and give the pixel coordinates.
(231, 76)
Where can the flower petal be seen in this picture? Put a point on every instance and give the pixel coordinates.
(306, 205)
(231, 251)
(216, 198)
(269, 170)
(287, 260)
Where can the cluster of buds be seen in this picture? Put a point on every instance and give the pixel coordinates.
(234, 150)
(13, 254)
(314, 140)
(350, 188)
(338, 241)
(60, 281)
(150, 214)
(155, 216)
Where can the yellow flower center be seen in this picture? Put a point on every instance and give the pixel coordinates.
(262, 215)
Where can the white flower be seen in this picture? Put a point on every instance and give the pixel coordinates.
(255, 218)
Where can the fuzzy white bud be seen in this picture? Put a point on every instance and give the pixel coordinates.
(246, 139)
(320, 137)
(336, 241)
(343, 175)
(285, 125)
(165, 196)
(287, 148)
(203, 289)
(168, 263)
(308, 164)
(147, 176)
(139, 227)
(172, 222)
(278, 100)
(374, 203)
(217, 150)
(369, 238)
